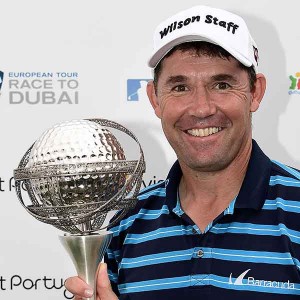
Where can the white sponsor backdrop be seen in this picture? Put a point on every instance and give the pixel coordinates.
(91, 49)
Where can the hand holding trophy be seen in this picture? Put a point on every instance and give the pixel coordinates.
(75, 173)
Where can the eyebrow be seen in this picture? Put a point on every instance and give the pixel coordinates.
(176, 79)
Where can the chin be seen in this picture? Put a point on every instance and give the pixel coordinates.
(208, 165)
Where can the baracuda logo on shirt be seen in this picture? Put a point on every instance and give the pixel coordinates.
(239, 280)
(251, 281)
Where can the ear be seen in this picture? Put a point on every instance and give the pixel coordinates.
(258, 92)
(153, 98)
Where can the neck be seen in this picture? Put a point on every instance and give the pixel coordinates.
(204, 195)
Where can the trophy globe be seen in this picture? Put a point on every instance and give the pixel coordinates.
(75, 174)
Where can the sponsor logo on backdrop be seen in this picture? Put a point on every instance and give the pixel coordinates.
(136, 89)
(1, 80)
(152, 180)
(45, 283)
(295, 84)
(251, 281)
(43, 88)
(8, 184)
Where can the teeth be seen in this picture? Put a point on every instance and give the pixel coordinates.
(204, 132)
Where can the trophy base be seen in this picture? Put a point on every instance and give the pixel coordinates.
(86, 252)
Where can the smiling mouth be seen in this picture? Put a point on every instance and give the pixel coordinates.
(204, 131)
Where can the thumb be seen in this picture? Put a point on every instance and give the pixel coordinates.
(104, 290)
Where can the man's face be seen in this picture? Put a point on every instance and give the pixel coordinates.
(205, 106)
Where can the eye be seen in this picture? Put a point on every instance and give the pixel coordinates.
(180, 88)
(222, 86)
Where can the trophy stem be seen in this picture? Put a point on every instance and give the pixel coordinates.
(86, 252)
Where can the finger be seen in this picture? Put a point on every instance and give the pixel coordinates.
(104, 290)
(78, 287)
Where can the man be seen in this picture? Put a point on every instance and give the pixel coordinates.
(225, 223)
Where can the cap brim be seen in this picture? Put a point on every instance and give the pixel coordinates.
(161, 53)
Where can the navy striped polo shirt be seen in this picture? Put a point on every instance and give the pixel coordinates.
(250, 251)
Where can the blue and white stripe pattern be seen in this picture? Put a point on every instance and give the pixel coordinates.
(251, 251)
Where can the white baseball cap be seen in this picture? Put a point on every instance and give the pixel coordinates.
(203, 23)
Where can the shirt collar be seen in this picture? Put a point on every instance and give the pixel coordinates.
(254, 188)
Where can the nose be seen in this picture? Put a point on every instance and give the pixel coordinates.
(202, 104)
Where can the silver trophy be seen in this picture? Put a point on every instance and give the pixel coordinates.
(74, 174)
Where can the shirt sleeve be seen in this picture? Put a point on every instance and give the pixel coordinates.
(112, 255)
(112, 268)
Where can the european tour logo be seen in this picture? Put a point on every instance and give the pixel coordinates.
(43, 88)
(209, 19)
